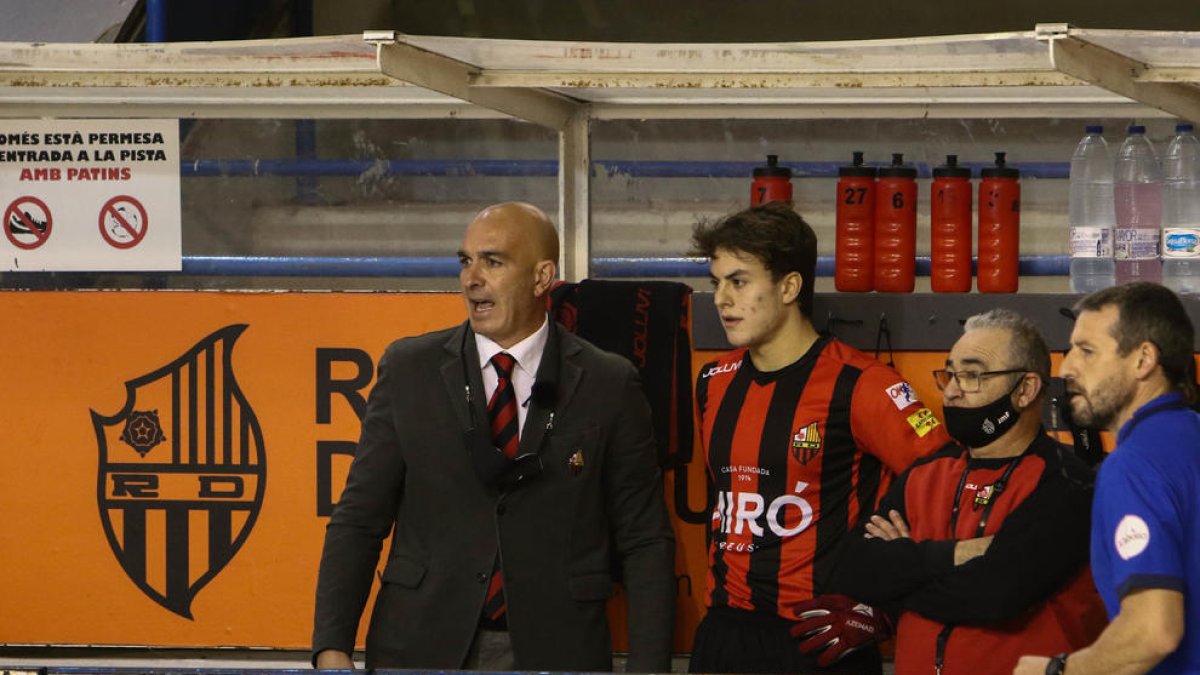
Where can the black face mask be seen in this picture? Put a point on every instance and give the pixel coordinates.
(977, 427)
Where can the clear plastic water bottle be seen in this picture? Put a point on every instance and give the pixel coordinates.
(1181, 212)
(1137, 191)
(1091, 215)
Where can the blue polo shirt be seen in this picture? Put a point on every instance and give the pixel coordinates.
(1146, 517)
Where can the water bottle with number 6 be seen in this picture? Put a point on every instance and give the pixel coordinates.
(896, 227)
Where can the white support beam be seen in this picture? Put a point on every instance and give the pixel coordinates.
(1117, 73)
(440, 73)
(725, 81)
(323, 77)
(574, 197)
(390, 102)
(841, 110)
(1172, 74)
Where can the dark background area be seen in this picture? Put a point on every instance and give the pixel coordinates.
(592, 20)
(655, 20)
(772, 20)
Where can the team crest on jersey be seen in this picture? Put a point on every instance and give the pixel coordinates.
(806, 443)
(903, 395)
(983, 495)
(923, 422)
(182, 473)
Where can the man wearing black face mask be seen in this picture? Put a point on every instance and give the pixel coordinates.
(982, 548)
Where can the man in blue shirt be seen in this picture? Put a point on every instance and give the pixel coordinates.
(1131, 370)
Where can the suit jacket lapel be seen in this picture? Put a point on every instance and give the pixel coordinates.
(570, 372)
(559, 376)
(460, 369)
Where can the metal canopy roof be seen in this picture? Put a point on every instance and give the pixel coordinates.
(1053, 70)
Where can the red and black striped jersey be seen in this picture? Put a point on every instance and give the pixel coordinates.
(796, 456)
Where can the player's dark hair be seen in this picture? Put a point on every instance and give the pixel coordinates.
(774, 234)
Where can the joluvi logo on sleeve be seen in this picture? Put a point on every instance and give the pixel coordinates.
(182, 473)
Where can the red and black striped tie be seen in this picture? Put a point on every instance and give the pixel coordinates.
(502, 408)
(505, 423)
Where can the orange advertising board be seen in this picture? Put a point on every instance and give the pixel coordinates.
(169, 460)
(166, 457)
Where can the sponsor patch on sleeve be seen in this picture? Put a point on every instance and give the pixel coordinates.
(1132, 537)
(923, 422)
(902, 395)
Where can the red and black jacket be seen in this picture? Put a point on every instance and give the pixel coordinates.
(1030, 593)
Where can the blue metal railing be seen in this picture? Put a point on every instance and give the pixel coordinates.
(447, 266)
(156, 20)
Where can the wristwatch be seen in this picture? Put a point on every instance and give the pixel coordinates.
(1057, 665)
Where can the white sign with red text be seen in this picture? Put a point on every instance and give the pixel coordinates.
(90, 195)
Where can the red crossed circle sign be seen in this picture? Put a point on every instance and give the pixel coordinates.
(123, 222)
(27, 222)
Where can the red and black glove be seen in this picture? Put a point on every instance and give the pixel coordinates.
(831, 626)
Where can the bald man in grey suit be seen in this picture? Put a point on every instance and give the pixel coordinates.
(581, 500)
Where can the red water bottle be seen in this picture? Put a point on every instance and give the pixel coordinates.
(772, 183)
(855, 252)
(950, 228)
(999, 227)
(896, 227)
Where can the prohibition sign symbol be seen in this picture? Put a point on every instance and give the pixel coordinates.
(123, 222)
(27, 222)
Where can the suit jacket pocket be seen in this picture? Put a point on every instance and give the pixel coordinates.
(574, 453)
(587, 587)
(404, 571)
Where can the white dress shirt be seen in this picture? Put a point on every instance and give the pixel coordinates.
(528, 353)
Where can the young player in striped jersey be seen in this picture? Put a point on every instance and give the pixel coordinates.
(802, 434)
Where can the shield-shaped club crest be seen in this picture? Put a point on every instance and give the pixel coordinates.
(182, 473)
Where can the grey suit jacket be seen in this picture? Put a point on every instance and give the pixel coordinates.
(560, 534)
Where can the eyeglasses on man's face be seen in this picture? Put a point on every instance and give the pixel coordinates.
(968, 381)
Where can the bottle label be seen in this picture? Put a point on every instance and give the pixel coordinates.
(1181, 242)
(1091, 242)
(1135, 244)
